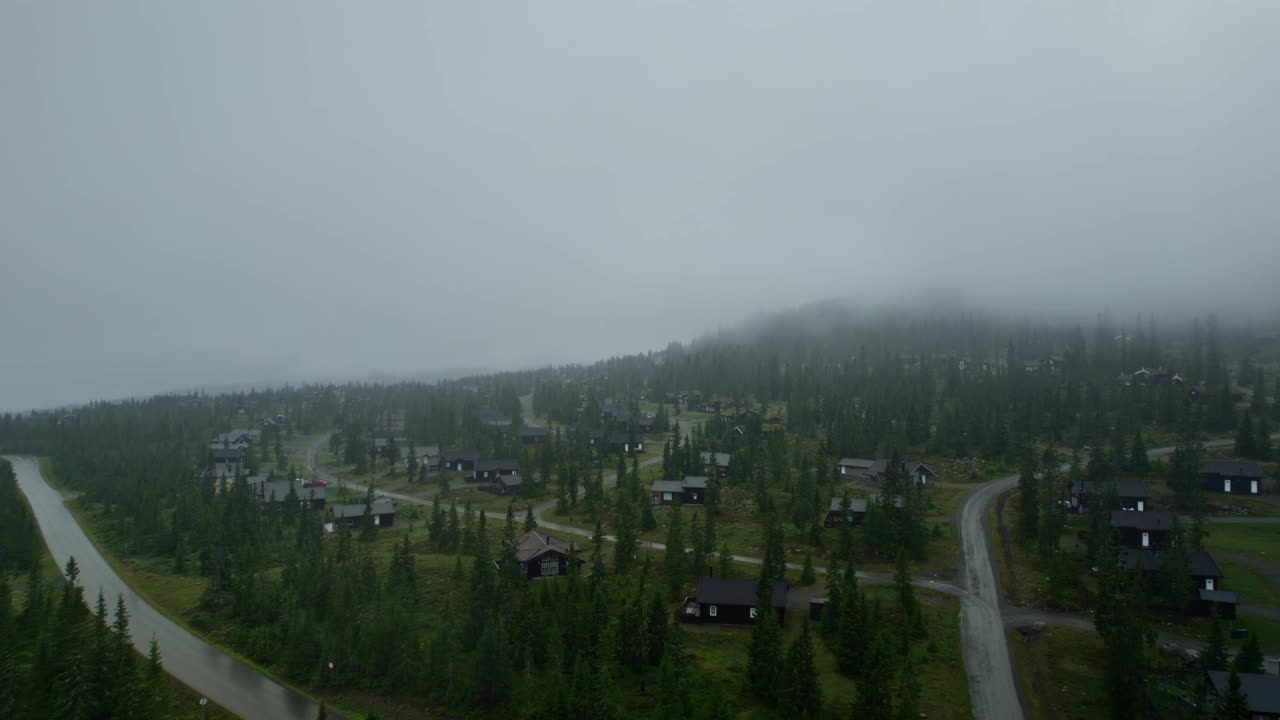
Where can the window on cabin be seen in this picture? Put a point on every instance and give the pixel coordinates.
(753, 613)
(551, 566)
(1146, 539)
(712, 611)
(1208, 583)
(1226, 485)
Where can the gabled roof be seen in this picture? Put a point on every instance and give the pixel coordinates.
(1232, 468)
(471, 455)
(1203, 565)
(1200, 564)
(423, 451)
(498, 464)
(512, 480)
(667, 486)
(696, 482)
(721, 459)
(1262, 690)
(913, 467)
(1142, 520)
(736, 591)
(858, 463)
(380, 506)
(1124, 488)
(534, 544)
(858, 505)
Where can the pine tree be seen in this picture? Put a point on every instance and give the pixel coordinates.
(799, 691)
(675, 562)
(1139, 463)
(675, 698)
(909, 692)
(1246, 446)
(530, 523)
(726, 562)
(1233, 705)
(1249, 659)
(766, 643)
(624, 547)
(807, 575)
(1214, 656)
(874, 699)
(1029, 494)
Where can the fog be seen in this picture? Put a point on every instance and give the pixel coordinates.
(204, 193)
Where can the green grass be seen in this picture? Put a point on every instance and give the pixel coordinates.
(720, 656)
(1261, 540)
(1060, 670)
(1254, 587)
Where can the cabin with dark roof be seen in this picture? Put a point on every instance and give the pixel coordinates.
(692, 490)
(227, 455)
(1205, 574)
(1261, 692)
(508, 484)
(542, 555)
(384, 513)
(839, 516)
(490, 470)
(623, 442)
(854, 467)
(428, 455)
(731, 601)
(1144, 530)
(463, 461)
(1232, 477)
(532, 435)
(719, 459)
(268, 490)
(1130, 495)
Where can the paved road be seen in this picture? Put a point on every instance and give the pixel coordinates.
(211, 672)
(992, 691)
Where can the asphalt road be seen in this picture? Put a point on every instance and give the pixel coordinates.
(209, 671)
(983, 616)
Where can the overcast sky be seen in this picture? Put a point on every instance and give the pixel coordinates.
(199, 193)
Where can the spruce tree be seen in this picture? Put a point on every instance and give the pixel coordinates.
(874, 690)
(1233, 705)
(530, 523)
(766, 643)
(675, 561)
(807, 575)
(1139, 463)
(800, 692)
(1249, 659)
(1245, 446)
(1029, 496)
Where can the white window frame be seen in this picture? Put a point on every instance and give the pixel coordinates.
(1253, 487)
(1146, 539)
(1226, 485)
(553, 564)
(1208, 584)
(666, 497)
(711, 610)
(1142, 505)
(753, 613)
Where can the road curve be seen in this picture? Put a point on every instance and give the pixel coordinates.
(992, 690)
(227, 681)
